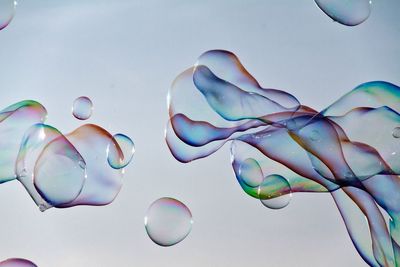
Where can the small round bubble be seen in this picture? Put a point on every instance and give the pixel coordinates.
(250, 172)
(168, 221)
(396, 132)
(7, 11)
(82, 108)
(346, 12)
(120, 152)
(275, 192)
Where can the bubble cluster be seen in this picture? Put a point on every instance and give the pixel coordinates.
(82, 108)
(7, 11)
(346, 12)
(58, 170)
(280, 147)
(14, 262)
(168, 221)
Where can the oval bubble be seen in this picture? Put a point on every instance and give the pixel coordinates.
(250, 172)
(396, 132)
(7, 11)
(17, 263)
(60, 172)
(346, 12)
(168, 221)
(82, 108)
(275, 192)
(124, 144)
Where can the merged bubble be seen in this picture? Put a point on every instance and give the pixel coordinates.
(17, 263)
(82, 108)
(122, 144)
(59, 170)
(275, 192)
(168, 221)
(346, 12)
(7, 11)
(280, 147)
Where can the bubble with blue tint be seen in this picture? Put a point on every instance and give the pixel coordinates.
(123, 144)
(168, 221)
(7, 11)
(82, 108)
(346, 12)
(275, 192)
(297, 148)
(16, 262)
(250, 172)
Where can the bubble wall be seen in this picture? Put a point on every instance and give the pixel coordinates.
(14, 262)
(280, 147)
(59, 170)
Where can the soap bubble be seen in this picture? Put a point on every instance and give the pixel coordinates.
(14, 262)
(250, 172)
(168, 221)
(346, 12)
(7, 11)
(82, 108)
(396, 132)
(126, 146)
(275, 192)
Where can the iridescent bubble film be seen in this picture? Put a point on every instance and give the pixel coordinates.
(58, 170)
(82, 108)
(280, 147)
(7, 11)
(15, 262)
(346, 12)
(123, 144)
(168, 221)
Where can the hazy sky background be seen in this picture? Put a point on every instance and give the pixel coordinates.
(124, 54)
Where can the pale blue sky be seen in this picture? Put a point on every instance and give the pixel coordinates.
(124, 54)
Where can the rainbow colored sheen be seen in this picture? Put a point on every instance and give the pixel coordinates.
(296, 148)
(57, 170)
(168, 221)
(82, 108)
(122, 144)
(7, 12)
(15, 262)
(346, 12)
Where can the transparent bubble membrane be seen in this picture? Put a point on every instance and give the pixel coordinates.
(14, 262)
(123, 143)
(346, 12)
(58, 170)
(280, 147)
(7, 11)
(82, 108)
(168, 221)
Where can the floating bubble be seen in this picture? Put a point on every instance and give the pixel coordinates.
(82, 108)
(297, 148)
(126, 146)
(168, 221)
(7, 11)
(396, 132)
(346, 12)
(275, 192)
(17, 263)
(250, 172)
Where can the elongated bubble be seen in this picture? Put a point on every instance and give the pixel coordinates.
(346, 12)
(7, 11)
(168, 221)
(280, 147)
(14, 262)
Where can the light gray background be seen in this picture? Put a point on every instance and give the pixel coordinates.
(124, 55)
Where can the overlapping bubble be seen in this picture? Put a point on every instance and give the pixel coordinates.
(279, 147)
(59, 170)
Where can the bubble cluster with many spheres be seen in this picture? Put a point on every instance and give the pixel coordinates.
(279, 147)
(83, 167)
